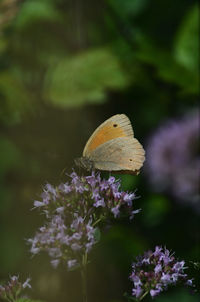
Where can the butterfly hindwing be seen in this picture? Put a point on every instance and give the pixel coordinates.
(119, 154)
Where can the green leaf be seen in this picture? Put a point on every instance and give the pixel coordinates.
(84, 78)
(97, 234)
(3, 44)
(35, 11)
(123, 241)
(187, 41)
(178, 295)
(155, 209)
(9, 155)
(128, 182)
(167, 68)
(14, 97)
(128, 7)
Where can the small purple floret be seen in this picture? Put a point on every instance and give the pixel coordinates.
(26, 283)
(71, 263)
(155, 271)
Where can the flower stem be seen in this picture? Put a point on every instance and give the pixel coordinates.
(142, 297)
(84, 277)
(97, 221)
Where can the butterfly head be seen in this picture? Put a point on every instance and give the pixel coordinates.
(84, 163)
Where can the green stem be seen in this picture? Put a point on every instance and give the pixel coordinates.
(142, 297)
(96, 222)
(84, 277)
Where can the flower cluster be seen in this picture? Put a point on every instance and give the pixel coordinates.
(13, 289)
(73, 210)
(173, 159)
(155, 271)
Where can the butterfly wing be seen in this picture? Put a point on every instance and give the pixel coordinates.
(119, 154)
(117, 126)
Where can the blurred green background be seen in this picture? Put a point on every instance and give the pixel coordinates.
(66, 66)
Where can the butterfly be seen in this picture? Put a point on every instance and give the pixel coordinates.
(112, 147)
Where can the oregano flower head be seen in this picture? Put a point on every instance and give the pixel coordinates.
(73, 210)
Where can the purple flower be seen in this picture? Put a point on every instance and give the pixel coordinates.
(158, 268)
(104, 185)
(137, 292)
(166, 278)
(65, 188)
(79, 186)
(55, 252)
(128, 198)
(99, 203)
(88, 246)
(115, 211)
(26, 283)
(179, 266)
(77, 236)
(152, 274)
(75, 246)
(38, 204)
(76, 222)
(55, 262)
(71, 263)
(133, 213)
(12, 291)
(95, 194)
(45, 197)
(155, 292)
(51, 190)
(111, 180)
(146, 260)
(60, 210)
(158, 251)
(90, 231)
(14, 278)
(189, 282)
(91, 180)
(136, 280)
(166, 257)
(72, 211)
(173, 162)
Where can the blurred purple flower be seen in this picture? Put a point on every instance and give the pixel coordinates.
(71, 263)
(26, 283)
(13, 289)
(173, 159)
(73, 211)
(152, 274)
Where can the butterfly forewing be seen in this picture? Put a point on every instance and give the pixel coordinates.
(115, 127)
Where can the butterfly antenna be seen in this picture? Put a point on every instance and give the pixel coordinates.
(77, 165)
(79, 170)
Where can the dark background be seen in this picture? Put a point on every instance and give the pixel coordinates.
(66, 66)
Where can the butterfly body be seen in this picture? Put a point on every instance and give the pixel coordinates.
(84, 163)
(112, 147)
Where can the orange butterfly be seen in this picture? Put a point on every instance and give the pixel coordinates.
(112, 147)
